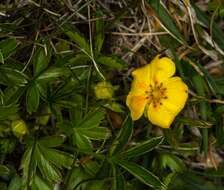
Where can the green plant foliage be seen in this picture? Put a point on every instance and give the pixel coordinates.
(65, 73)
(142, 174)
(166, 20)
(142, 148)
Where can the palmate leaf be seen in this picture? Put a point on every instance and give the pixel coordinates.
(15, 183)
(13, 94)
(12, 77)
(48, 161)
(118, 180)
(89, 125)
(29, 164)
(7, 111)
(112, 62)
(171, 161)
(41, 59)
(142, 148)
(142, 174)
(40, 184)
(32, 98)
(92, 119)
(52, 141)
(4, 170)
(57, 157)
(123, 137)
(78, 59)
(76, 37)
(87, 128)
(76, 177)
(52, 73)
(94, 133)
(47, 169)
(82, 141)
(7, 46)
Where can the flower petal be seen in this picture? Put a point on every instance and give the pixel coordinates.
(136, 104)
(162, 69)
(138, 88)
(177, 94)
(160, 116)
(142, 75)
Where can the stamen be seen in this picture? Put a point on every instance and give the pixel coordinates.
(156, 93)
(161, 84)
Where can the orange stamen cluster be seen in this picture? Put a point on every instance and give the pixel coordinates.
(156, 93)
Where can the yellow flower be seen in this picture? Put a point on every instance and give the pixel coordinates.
(155, 92)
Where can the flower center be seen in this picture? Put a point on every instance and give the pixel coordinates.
(156, 93)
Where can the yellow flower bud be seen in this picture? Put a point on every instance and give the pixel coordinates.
(104, 90)
(19, 127)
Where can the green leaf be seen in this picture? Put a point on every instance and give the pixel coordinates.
(41, 60)
(40, 184)
(92, 119)
(91, 167)
(142, 148)
(3, 186)
(48, 170)
(218, 34)
(77, 175)
(57, 157)
(15, 183)
(171, 161)
(29, 163)
(76, 37)
(4, 170)
(53, 73)
(32, 98)
(200, 86)
(79, 59)
(118, 179)
(166, 20)
(7, 46)
(96, 184)
(1, 57)
(99, 37)
(111, 62)
(194, 122)
(52, 141)
(11, 77)
(8, 111)
(123, 137)
(82, 142)
(142, 174)
(95, 133)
